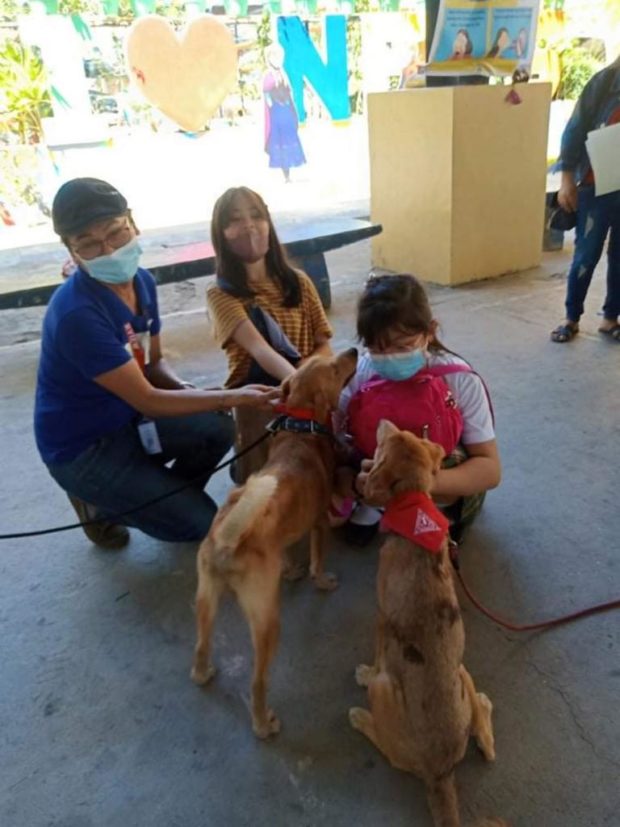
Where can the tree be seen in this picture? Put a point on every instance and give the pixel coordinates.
(24, 95)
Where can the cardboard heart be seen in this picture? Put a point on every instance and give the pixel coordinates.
(188, 76)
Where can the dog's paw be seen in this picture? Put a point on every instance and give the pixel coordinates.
(202, 675)
(269, 727)
(359, 718)
(326, 581)
(484, 737)
(364, 674)
(294, 571)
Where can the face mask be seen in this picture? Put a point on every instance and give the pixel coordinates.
(398, 366)
(117, 268)
(250, 247)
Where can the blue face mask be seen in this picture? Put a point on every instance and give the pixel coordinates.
(398, 366)
(117, 268)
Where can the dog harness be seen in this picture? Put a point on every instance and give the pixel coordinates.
(415, 516)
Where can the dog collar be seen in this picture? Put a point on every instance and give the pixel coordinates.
(295, 413)
(297, 425)
(415, 516)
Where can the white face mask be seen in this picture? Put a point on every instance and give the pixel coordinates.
(118, 267)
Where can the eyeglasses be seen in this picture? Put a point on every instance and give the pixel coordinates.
(116, 237)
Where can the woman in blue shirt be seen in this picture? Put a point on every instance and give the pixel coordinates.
(114, 424)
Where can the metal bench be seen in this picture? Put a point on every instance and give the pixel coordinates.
(305, 243)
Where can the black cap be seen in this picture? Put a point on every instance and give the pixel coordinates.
(83, 201)
(558, 218)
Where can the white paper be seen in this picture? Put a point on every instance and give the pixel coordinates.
(603, 147)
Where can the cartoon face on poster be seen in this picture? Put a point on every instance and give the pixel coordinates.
(511, 30)
(483, 37)
(463, 35)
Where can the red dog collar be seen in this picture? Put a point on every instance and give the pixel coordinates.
(415, 516)
(294, 413)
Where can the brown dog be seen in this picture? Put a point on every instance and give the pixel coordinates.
(285, 500)
(423, 703)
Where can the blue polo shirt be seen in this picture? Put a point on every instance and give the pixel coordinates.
(83, 336)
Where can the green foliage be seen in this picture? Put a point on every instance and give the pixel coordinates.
(10, 9)
(20, 172)
(24, 95)
(173, 9)
(554, 5)
(126, 11)
(78, 7)
(354, 53)
(263, 36)
(578, 66)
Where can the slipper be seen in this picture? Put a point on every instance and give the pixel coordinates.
(611, 332)
(564, 332)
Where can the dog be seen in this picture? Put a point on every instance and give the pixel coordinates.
(423, 703)
(289, 497)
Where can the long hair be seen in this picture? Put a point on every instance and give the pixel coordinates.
(390, 303)
(231, 274)
(494, 50)
(469, 46)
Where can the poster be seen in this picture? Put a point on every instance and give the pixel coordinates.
(483, 37)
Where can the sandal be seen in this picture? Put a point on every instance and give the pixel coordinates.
(612, 333)
(564, 332)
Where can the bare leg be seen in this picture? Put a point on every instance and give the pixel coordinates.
(481, 709)
(260, 603)
(207, 599)
(318, 541)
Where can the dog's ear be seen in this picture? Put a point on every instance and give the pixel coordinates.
(285, 388)
(436, 453)
(385, 430)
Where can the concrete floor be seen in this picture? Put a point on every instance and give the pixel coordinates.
(100, 725)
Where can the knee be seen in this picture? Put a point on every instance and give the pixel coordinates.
(187, 521)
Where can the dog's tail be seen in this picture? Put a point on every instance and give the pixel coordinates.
(442, 801)
(491, 822)
(444, 806)
(254, 498)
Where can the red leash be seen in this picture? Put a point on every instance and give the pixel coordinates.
(528, 627)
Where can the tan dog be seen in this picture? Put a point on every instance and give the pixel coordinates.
(285, 500)
(423, 703)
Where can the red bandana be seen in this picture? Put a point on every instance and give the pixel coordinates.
(415, 516)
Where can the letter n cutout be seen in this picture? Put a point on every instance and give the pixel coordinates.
(301, 60)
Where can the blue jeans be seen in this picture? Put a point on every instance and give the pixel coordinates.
(115, 474)
(596, 216)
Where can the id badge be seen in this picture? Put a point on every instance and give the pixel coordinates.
(147, 431)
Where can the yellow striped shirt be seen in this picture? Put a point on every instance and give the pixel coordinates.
(302, 324)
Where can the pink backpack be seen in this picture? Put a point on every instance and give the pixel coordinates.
(423, 405)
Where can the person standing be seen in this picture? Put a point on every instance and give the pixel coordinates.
(282, 142)
(597, 216)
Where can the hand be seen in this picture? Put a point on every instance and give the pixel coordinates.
(68, 268)
(257, 396)
(567, 194)
(360, 481)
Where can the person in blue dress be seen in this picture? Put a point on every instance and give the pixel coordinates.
(282, 142)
